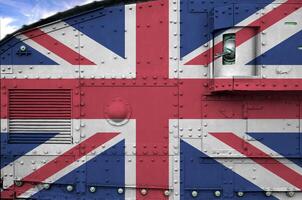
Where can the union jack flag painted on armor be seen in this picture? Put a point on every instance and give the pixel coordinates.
(151, 100)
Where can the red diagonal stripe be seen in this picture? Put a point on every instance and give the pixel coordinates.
(57, 47)
(244, 35)
(272, 165)
(59, 163)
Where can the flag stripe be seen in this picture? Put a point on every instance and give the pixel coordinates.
(152, 53)
(244, 35)
(265, 160)
(57, 47)
(211, 107)
(152, 39)
(59, 163)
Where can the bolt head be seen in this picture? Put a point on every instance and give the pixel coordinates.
(144, 192)
(194, 193)
(268, 193)
(217, 193)
(23, 48)
(290, 193)
(240, 194)
(120, 190)
(18, 183)
(92, 189)
(166, 192)
(46, 186)
(69, 188)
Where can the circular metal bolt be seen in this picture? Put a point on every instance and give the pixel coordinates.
(217, 193)
(290, 193)
(166, 192)
(22, 48)
(240, 194)
(46, 186)
(120, 190)
(144, 192)
(92, 189)
(69, 188)
(18, 183)
(268, 193)
(194, 193)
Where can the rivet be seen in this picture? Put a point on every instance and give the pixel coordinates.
(290, 194)
(166, 192)
(144, 192)
(92, 189)
(69, 188)
(268, 193)
(240, 194)
(22, 48)
(217, 193)
(194, 193)
(18, 183)
(46, 186)
(120, 190)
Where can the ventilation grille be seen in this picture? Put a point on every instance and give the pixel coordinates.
(38, 116)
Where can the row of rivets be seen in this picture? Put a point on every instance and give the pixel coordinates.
(216, 193)
(92, 189)
(241, 194)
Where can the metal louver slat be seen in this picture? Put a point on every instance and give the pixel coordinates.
(40, 116)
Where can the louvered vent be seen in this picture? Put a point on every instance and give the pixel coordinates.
(40, 116)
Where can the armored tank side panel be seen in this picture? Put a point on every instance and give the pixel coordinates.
(155, 100)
